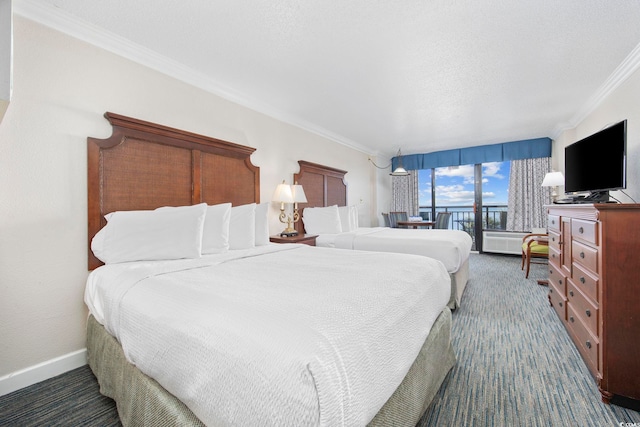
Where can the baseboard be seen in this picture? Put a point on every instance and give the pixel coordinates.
(42, 371)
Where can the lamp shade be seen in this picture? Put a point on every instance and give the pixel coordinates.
(283, 194)
(298, 194)
(400, 170)
(553, 179)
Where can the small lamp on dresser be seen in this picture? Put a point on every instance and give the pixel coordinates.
(553, 180)
(289, 194)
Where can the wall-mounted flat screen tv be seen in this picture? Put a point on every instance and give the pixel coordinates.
(597, 163)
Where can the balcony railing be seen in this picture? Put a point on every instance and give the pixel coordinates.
(494, 217)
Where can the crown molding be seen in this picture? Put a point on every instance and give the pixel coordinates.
(60, 21)
(629, 66)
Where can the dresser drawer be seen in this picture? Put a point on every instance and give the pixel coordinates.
(554, 240)
(586, 281)
(554, 256)
(586, 343)
(585, 230)
(583, 307)
(553, 223)
(557, 279)
(585, 255)
(558, 302)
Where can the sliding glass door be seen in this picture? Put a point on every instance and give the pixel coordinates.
(475, 195)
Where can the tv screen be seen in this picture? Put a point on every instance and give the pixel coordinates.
(598, 162)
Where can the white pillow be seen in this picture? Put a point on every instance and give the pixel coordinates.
(348, 217)
(344, 213)
(161, 234)
(322, 220)
(262, 224)
(242, 227)
(215, 235)
(353, 217)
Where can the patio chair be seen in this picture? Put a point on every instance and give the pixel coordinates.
(442, 220)
(394, 217)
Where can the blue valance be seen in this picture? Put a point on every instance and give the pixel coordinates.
(515, 150)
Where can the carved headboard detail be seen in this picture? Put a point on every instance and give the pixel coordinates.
(323, 186)
(144, 165)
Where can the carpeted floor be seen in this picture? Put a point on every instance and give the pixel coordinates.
(70, 399)
(516, 366)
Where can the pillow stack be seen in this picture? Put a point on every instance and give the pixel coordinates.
(348, 217)
(180, 232)
(330, 219)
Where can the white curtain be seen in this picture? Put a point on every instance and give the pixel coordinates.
(527, 197)
(404, 194)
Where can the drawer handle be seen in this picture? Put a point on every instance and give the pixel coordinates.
(550, 291)
(550, 271)
(581, 254)
(560, 304)
(588, 313)
(553, 221)
(581, 230)
(582, 280)
(588, 344)
(553, 239)
(571, 293)
(560, 281)
(572, 319)
(553, 256)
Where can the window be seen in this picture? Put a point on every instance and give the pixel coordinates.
(473, 206)
(495, 195)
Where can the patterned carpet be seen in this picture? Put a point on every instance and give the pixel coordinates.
(516, 367)
(516, 364)
(70, 399)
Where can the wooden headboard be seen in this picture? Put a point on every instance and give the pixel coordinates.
(323, 186)
(144, 165)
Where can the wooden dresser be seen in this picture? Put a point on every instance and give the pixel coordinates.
(594, 286)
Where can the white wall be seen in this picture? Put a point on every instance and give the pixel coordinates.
(621, 104)
(382, 188)
(61, 89)
(5, 55)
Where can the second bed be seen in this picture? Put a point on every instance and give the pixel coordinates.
(326, 193)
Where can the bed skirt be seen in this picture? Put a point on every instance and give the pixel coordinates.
(141, 401)
(459, 281)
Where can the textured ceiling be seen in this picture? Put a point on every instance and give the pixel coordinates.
(423, 75)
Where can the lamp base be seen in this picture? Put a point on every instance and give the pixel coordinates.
(289, 231)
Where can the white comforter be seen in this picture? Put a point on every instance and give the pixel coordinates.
(281, 335)
(452, 247)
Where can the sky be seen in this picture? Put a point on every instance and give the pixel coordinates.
(454, 185)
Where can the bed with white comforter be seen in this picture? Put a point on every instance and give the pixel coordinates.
(451, 247)
(195, 318)
(307, 336)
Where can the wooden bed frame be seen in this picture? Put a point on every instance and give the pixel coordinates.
(143, 165)
(325, 186)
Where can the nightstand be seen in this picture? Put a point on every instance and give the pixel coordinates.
(306, 239)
